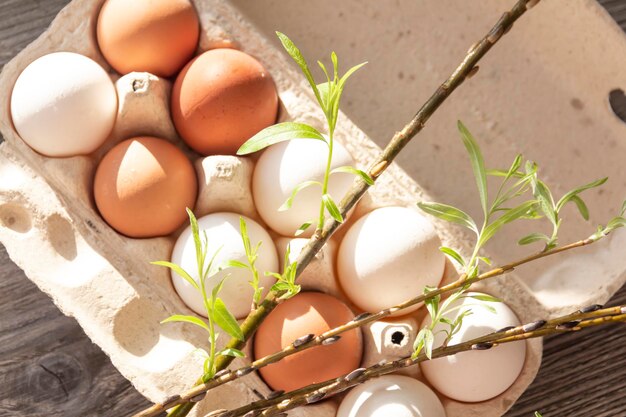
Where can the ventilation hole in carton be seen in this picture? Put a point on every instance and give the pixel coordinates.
(397, 337)
(136, 326)
(61, 236)
(617, 100)
(15, 217)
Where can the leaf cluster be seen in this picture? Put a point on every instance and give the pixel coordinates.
(215, 308)
(441, 313)
(328, 95)
(286, 282)
(252, 254)
(520, 195)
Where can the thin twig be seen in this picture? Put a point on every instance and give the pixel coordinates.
(569, 323)
(196, 393)
(466, 69)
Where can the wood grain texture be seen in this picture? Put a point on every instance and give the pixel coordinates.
(48, 367)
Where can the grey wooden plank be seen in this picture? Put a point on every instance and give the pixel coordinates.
(48, 367)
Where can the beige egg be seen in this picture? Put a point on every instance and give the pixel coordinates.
(475, 376)
(388, 256)
(282, 167)
(224, 241)
(391, 396)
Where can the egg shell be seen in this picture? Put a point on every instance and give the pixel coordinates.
(284, 166)
(388, 256)
(143, 185)
(391, 395)
(223, 233)
(64, 104)
(475, 376)
(307, 313)
(221, 99)
(155, 36)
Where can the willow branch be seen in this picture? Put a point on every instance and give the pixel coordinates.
(581, 319)
(465, 70)
(196, 393)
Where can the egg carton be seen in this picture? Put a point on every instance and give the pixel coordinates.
(51, 229)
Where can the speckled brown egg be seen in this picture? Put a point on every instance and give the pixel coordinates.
(155, 36)
(143, 185)
(307, 313)
(221, 99)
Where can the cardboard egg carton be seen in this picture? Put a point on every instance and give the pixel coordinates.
(51, 228)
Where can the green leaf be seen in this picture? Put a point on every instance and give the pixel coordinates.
(351, 170)
(180, 271)
(217, 289)
(289, 202)
(303, 228)
(279, 133)
(432, 305)
(326, 93)
(349, 73)
(418, 344)
(295, 53)
(450, 300)
(623, 211)
(449, 213)
(478, 164)
(210, 270)
(178, 318)
(235, 353)
(226, 320)
(533, 237)
(453, 254)
(509, 216)
(200, 253)
(232, 263)
(485, 297)
(582, 207)
(332, 208)
(546, 201)
(243, 230)
(568, 196)
(615, 223)
(517, 162)
(537, 414)
(429, 340)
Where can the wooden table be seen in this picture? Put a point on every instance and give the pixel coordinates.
(48, 367)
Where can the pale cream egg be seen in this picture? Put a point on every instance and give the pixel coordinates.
(388, 256)
(475, 376)
(282, 167)
(224, 237)
(391, 396)
(64, 104)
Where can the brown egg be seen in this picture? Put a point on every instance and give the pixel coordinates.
(221, 99)
(143, 185)
(155, 36)
(307, 313)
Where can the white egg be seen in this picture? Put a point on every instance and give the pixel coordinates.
(388, 256)
(64, 104)
(222, 230)
(476, 375)
(284, 166)
(391, 395)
